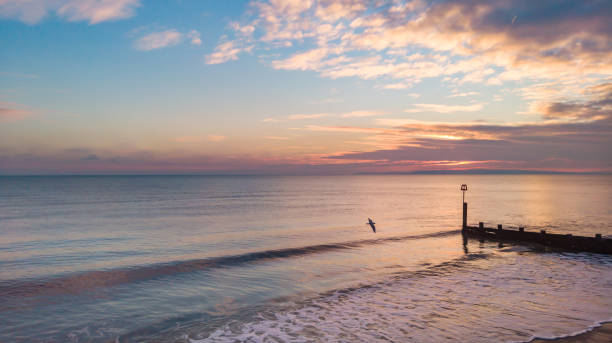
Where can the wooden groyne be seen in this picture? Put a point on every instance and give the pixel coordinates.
(569, 242)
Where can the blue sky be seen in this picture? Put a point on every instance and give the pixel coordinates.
(131, 86)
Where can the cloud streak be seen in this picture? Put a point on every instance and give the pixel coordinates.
(445, 108)
(93, 11)
(224, 52)
(167, 38)
(11, 111)
(158, 40)
(352, 114)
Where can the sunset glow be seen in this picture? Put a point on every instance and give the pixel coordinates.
(304, 87)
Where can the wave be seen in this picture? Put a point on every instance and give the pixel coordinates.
(474, 298)
(573, 334)
(196, 323)
(80, 282)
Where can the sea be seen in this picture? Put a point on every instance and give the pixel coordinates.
(291, 258)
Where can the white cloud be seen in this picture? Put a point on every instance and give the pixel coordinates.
(163, 39)
(94, 11)
(302, 61)
(397, 85)
(224, 52)
(445, 108)
(158, 40)
(194, 37)
(270, 120)
(464, 94)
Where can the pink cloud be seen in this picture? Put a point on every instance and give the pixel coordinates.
(94, 11)
(10, 111)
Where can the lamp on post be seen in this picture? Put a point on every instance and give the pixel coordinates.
(463, 189)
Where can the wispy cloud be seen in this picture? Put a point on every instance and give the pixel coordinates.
(224, 52)
(445, 108)
(306, 116)
(397, 85)
(458, 41)
(158, 40)
(575, 136)
(464, 94)
(216, 138)
(97, 11)
(200, 139)
(10, 111)
(167, 38)
(352, 114)
(598, 107)
(346, 129)
(327, 101)
(93, 11)
(359, 114)
(302, 61)
(194, 37)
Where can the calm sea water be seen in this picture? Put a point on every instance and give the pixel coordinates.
(290, 259)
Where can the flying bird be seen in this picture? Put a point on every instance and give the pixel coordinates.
(371, 223)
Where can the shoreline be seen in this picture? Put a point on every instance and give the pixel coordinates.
(597, 334)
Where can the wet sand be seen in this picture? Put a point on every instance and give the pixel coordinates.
(602, 334)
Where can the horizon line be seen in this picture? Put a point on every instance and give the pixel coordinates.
(419, 172)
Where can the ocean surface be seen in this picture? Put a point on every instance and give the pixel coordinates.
(290, 259)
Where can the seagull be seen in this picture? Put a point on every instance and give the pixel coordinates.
(371, 223)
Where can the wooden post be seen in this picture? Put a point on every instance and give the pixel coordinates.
(464, 215)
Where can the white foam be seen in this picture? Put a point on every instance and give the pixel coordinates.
(573, 334)
(519, 297)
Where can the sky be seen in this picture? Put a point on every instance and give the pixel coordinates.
(304, 86)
